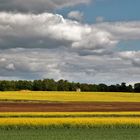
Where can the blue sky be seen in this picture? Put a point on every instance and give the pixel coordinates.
(111, 10)
(93, 41)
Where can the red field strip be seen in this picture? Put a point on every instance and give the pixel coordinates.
(69, 107)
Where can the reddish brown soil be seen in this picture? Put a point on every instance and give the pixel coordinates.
(69, 107)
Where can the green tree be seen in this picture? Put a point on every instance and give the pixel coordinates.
(49, 85)
(63, 85)
(137, 87)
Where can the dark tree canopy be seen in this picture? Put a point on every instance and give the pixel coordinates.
(64, 85)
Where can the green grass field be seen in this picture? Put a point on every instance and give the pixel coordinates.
(70, 96)
(71, 134)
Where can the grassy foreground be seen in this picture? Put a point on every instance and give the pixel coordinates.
(70, 96)
(71, 134)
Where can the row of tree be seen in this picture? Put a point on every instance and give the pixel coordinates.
(64, 85)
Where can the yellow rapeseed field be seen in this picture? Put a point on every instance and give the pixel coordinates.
(69, 118)
(70, 96)
(126, 121)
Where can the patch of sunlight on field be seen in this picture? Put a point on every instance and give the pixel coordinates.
(71, 96)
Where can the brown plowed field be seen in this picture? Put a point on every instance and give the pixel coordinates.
(69, 107)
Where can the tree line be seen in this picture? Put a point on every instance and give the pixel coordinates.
(64, 85)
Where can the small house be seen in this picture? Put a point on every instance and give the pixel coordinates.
(78, 90)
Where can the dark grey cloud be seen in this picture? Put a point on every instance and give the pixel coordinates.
(63, 63)
(38, 6)
(132, 57)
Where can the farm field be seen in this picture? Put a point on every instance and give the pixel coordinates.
(71, 115)
(71, 134)
(67, 114)
(70, 125)
(29, 101)
(69, 107)
(88, 122)
(69, 96)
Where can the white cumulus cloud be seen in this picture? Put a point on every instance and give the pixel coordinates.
(48, 30)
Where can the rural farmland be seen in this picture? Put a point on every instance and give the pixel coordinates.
(69, 70)
(47, 112)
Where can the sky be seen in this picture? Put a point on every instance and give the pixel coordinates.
(87, 41)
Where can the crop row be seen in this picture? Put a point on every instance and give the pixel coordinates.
(68, 114)
(70, 122)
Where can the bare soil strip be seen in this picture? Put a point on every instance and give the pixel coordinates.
(69, 107)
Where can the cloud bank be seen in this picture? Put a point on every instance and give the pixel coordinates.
(52, 30)
(34, 46)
